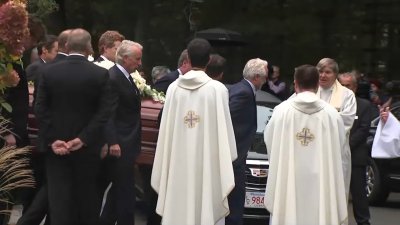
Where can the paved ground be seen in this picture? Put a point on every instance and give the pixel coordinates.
(387, 214)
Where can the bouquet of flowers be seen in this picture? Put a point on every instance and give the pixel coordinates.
(140, 82)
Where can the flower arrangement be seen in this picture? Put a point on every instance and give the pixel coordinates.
(140, 82)
(13, 32)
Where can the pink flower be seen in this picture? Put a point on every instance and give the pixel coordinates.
(13, 27)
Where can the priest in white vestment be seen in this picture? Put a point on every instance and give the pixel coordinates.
(305, 140)
(343, 100)
(192, 170)
(387, 137)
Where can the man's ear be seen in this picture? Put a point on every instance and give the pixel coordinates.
(296, 88)
(67, 47)
(44, 50)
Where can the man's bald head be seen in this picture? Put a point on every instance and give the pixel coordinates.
(79, 41)
(62, 40)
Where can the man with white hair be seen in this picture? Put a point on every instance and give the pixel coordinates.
(343, 100)
(122, 134)
(242, 106)
(159, 72)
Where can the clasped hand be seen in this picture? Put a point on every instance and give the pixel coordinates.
(63, 148)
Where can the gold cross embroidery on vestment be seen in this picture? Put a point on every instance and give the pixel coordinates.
(191, 119)
(305, 136)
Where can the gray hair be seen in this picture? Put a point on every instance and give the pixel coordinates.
(79, 41)
(352, 75)
(159, 71)
(183, 57)
(330, 63)
(125, 49)
(255, 67)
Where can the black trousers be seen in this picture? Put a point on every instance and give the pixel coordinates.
(71, 183)
(236, 198)
(37, 210)
(359, 195)
(151, 197)
(121, 200)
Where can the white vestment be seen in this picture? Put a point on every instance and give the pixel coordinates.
(387, 139)
(305, 140)
(344, 101)
(192, 170)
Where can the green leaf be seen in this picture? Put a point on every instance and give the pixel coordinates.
(9, 66)
(6, 106)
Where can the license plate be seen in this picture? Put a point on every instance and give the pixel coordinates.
(254, 200)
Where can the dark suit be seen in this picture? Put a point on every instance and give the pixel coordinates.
(33, 69)
(73, 101)
(18, 98)
(242, 105)
(99, 59)
(59, 57)
(37, 210)
(163, 83)
(359, 159)
(124, 129)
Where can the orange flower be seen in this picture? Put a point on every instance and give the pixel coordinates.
(10, 79)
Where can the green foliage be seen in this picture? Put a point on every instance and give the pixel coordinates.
(359, 34)
(5, 105)
(42, 8)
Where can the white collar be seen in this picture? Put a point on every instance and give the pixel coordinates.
(252, 86)
(180, 72)
(62, 53)
(123, 70)
(79, 54)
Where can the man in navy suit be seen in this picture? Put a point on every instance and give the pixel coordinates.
(242, 105)
(359, 151)
(184, 66)
(122, 134)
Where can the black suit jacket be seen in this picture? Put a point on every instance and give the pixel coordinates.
(74, 100)
(33, 73)
(359, 133)
(124, 127)
(163, 83)
(34, 69)
(18, 98)
(41, 144)
(59, 57)
(242, 105)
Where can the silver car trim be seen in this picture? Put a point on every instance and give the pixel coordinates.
(255, 216)
(256, 189)
(395, 177)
